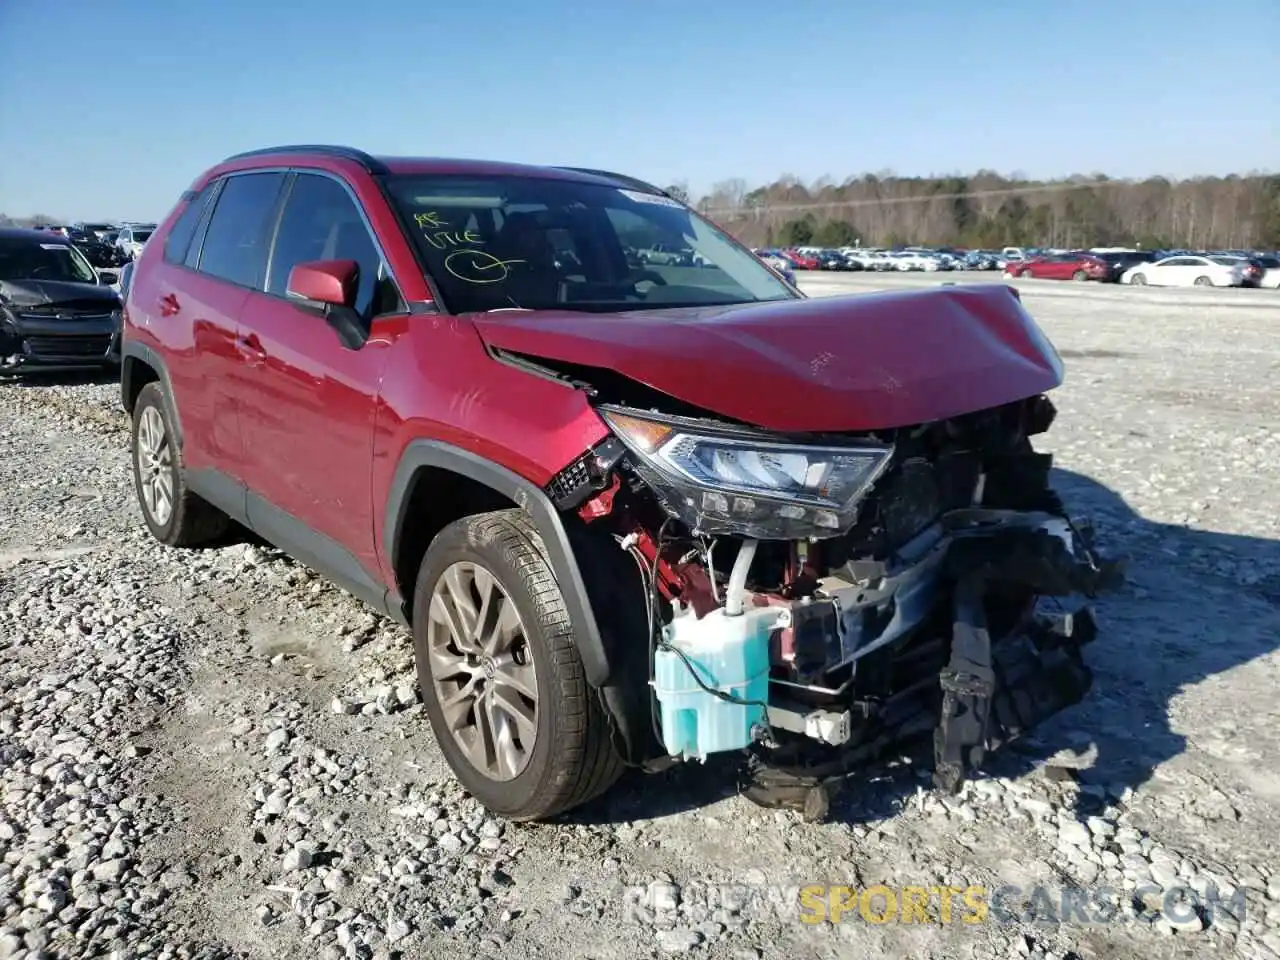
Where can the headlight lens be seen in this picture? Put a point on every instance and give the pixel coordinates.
(724, 480)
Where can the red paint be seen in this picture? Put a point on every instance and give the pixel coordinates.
(829, 363)
(324, 281)
(601, 505)
(1061, 268)
(267, 394)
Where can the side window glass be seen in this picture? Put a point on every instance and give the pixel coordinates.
(179, 239)
(192, 258)
(321, 222)
(235, 243)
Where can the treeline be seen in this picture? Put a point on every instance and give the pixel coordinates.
(990, 210)
(31, 221)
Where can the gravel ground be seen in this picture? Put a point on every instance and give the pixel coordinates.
(215, 754)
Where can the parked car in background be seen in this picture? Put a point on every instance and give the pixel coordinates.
(98, 230)
(800, 261)
(980, 260)
(1270, 265)
(1061, 266)
(132, 238)
(831, 260)
(57, 313)
(1187, 270)
(911, 260)
(96, 250)
(1122, 260)
(778, 264)
(1252, 271)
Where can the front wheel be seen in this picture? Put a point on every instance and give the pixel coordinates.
(1138, 280)
(1079, 275)
(500, 673)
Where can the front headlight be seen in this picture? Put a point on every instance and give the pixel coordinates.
(721, 479)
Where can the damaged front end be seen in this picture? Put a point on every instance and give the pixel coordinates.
(820, 600)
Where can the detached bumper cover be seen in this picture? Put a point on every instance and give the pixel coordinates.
(1035, 674)
(990, 689)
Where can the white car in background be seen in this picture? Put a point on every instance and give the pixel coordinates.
(133, 237)
(1188, 271)
(1270, 272)
(915, 261)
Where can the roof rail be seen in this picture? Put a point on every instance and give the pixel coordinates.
(635, 182)
(371, 164)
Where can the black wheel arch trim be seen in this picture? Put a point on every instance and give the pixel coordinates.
(132, 350)
(420, 454)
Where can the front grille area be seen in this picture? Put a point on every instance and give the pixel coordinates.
(80, 347)
(92, 310)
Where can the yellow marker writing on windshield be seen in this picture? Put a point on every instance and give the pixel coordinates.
(476, 266)
(431, 219)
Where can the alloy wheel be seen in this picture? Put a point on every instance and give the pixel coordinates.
(482, 670)
(155, 466)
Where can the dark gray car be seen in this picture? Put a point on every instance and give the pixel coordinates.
(56, 312)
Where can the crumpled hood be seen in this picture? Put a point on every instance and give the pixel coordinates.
(850, 363)
(38, 293)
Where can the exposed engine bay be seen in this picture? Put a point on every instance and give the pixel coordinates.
(819, 599)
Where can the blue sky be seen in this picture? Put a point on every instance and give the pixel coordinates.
(109, 108)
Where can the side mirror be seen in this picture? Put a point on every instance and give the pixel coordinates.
(107, 278)
(324, 283)
(328, 288)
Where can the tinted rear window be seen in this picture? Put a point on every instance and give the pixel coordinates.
(179, 239)
(235, 243)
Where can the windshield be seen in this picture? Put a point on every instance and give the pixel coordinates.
(140, 236)
(493, 243)
(32, 260)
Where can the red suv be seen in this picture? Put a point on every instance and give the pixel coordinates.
(631, 513)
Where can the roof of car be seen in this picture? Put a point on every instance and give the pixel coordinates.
(36, 236)
(438, 165)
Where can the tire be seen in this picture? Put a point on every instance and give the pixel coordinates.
(190, 521)
(1204, 281)
(1138, 280)
(1079, 275)
(572, 758)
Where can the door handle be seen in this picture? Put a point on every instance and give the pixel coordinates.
(168, 305)
(250, 348)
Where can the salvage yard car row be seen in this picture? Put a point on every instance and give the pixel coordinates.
(104, 244)
(1226, 268)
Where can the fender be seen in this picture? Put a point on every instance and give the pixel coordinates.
(564, 565)
(132, 349)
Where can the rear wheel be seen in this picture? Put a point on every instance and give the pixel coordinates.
(174, 515)
(1079, 275)
(500, 674)
(1204, 281)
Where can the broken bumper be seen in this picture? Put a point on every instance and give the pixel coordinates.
(980, 686)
